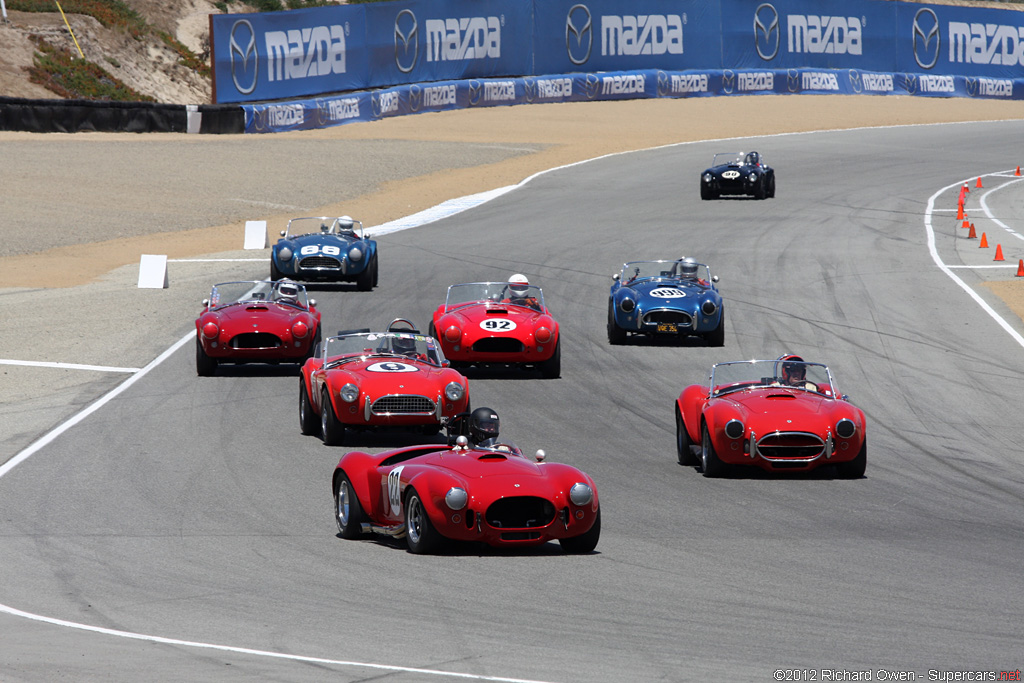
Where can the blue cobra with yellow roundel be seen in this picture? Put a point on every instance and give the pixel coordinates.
(325, 249)
(677, 298)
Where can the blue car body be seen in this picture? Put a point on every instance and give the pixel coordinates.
(657, 298)
(332, 249)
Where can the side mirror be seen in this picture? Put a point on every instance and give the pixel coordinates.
(540, 455)
(206, 302)
(615, 277)
(284, 233)
(312, 303)
(714, 278)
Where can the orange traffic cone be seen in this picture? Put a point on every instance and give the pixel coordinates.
(1018, 171)
(978, 184)
(966, 224)
(960, 212)
(984, 241)
(972, 235)
(999, 253)
(1020, 268)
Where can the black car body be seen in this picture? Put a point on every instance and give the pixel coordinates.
(738, 173)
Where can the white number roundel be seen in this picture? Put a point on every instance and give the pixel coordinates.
(328, 249)
(498, 325)
(391, 366)
(668, 293)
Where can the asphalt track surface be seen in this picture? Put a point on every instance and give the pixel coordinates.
(192, 511)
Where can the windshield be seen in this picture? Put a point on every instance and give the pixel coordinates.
(498, 292)
(722, 158)
(282, 292)
(740, 375)
(344, 226)
(337, 350)
(663, 270)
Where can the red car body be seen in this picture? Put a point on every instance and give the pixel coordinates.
(481, 324)
(491, 495)
(748, 416)
(254, 322)
(359, 381)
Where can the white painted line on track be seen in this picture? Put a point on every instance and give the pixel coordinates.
(259, 653)
(66, 366)
(978, 267)
(988, 213)
(215, 260)
(930, 232)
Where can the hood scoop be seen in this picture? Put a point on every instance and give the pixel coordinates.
(256, 307)
(492, 456)
(497, 311)
(782, 396)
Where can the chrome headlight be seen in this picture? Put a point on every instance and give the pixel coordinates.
(707, 177)
(453, 391)
(708, 307)
(753, 177)
(349, 393)
(456, 498)
(284, 253)
(355, 253)
(845, 428)
(580, 494)
(627, 305)
(734, 429)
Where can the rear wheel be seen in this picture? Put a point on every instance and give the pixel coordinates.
(331, 430)
(205, 366)
(585, 542)
(716, 337)
(855, 468)
(348, 512)
(420, 533)
(684, 447)
(308, 424)
(552, 367)
(616, 335)
(710, 464)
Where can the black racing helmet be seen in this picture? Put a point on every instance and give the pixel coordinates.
(483, 425)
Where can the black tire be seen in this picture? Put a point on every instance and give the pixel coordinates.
(331, 430)
(761, 191)
(855, 468)
(710, 463)
(308, 424)
(616, 335)
(705, 191)
(275, 274)
(585, 542)
(364, 281)
(313, 344)
(771, 187)
(205, 366)
(716, 337)
(375, 269)
(684, 447)
(348, 511)
(552, 367)
(420, 533)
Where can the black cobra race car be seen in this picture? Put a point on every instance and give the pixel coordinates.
(738, 173)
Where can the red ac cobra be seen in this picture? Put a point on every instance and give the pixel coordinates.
(780, 415)
(498, 324)
(365, 380)
(492, 495)
(256, 322)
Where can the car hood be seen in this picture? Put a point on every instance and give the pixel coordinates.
(318, 238)
(257, 313)
(774, 408)
(669, 293)
(475, 314)
(495, 466)
(409, 376)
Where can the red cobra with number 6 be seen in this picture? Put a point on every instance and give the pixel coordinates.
(498, 323)
(492, 495)
(365, 380)
(781, 415)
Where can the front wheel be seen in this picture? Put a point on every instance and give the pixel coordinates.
(308, 424)
(616, 335)
(855, 468)
(585, 542)
(710, 463)
(420, 533)
(705, 191)
(331, 430)
(205, 366)
(716, 337)
(684, 447)
(364, 281)
(348, 512)
(552, 367)
(771, 187)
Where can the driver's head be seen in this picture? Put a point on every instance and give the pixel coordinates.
(793, 370)
(688, 268)
(483, 425)
(403, 345)
(288, 290)
(517, 286)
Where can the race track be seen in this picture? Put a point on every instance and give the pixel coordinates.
(192, 509)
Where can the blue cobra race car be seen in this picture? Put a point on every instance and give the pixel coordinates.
(325, 249)
(672, 298)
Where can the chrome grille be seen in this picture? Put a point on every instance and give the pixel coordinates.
(662, 316)
(405, 404)
(319, 262)
(790, 446)
(498, 345)
(520, 512)
(255, 340)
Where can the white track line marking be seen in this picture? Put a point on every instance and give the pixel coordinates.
(988, 213)
(66, 366)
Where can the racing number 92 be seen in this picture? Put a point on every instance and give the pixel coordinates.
(495, 325)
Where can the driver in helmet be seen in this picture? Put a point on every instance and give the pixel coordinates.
(689, 269)
(793, 373)
(518, 289)
(288, 292)
(483, 427)
(405, 346)
(753, 159)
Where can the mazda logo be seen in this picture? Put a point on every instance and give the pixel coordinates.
(323, 111)
(766, 31)
(244, 58)
(407, 41)
(793, 80)
(926, 38)
(592, 86)
(375, 108)
(259, 118)
(415, 97)
(476, 92)
(910, 83)
(664, 87)
(972, 86)
(855, 81)
(728, 81)
(530, 89)
(579, 34)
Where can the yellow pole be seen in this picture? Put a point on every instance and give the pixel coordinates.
(70, 31)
